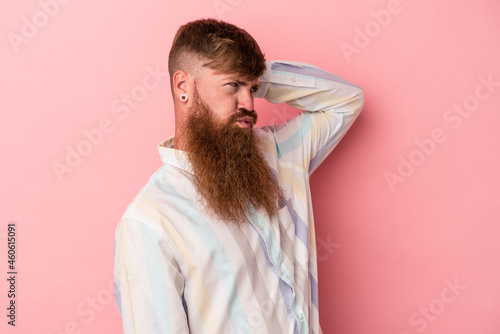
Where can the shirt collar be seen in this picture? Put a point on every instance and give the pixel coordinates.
(171, 156)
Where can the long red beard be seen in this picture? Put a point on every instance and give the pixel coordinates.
(230, 172)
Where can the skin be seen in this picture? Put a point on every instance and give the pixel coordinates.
(223, 93)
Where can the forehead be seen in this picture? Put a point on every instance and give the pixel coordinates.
(217, 75)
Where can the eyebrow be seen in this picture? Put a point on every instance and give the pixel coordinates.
(243, 83)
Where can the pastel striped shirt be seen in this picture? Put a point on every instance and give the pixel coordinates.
(179, 270)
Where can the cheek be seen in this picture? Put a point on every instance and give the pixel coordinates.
(224, 108)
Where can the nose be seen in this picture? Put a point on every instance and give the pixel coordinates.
(245, 100)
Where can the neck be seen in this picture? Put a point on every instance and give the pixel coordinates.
(180, 130)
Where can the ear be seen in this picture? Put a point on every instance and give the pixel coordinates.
(181, 84)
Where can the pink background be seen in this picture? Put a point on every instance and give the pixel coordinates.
(406, 206)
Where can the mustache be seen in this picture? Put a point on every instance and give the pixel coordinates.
(242, 112)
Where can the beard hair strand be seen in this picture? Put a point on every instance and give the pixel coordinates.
(230, 172)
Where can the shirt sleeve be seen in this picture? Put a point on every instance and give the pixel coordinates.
(331, 104)
(148, 283)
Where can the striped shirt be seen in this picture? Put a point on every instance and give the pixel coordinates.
(180, 270)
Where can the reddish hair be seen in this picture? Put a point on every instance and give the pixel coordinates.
(226, 48)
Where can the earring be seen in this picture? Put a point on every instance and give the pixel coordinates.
(184, 97)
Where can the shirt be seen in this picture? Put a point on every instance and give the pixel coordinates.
(180, 270)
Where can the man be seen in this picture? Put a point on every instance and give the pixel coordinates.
(221, 239)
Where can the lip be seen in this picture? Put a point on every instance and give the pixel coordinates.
(246, 122)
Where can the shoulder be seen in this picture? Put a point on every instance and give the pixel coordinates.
(152, 201)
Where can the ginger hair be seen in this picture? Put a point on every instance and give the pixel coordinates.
(222, 46)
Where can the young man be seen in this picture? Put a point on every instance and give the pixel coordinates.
(221, 239)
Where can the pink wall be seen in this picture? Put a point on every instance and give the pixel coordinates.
(407, 207)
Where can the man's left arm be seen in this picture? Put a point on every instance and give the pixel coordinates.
(332, 104)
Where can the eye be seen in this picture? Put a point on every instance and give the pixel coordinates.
(254, 89)
(233, 84)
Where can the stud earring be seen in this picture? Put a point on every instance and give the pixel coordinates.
(184, 97)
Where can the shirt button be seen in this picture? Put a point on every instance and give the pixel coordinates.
(293, 79)
(261, 227)
(281, 272)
